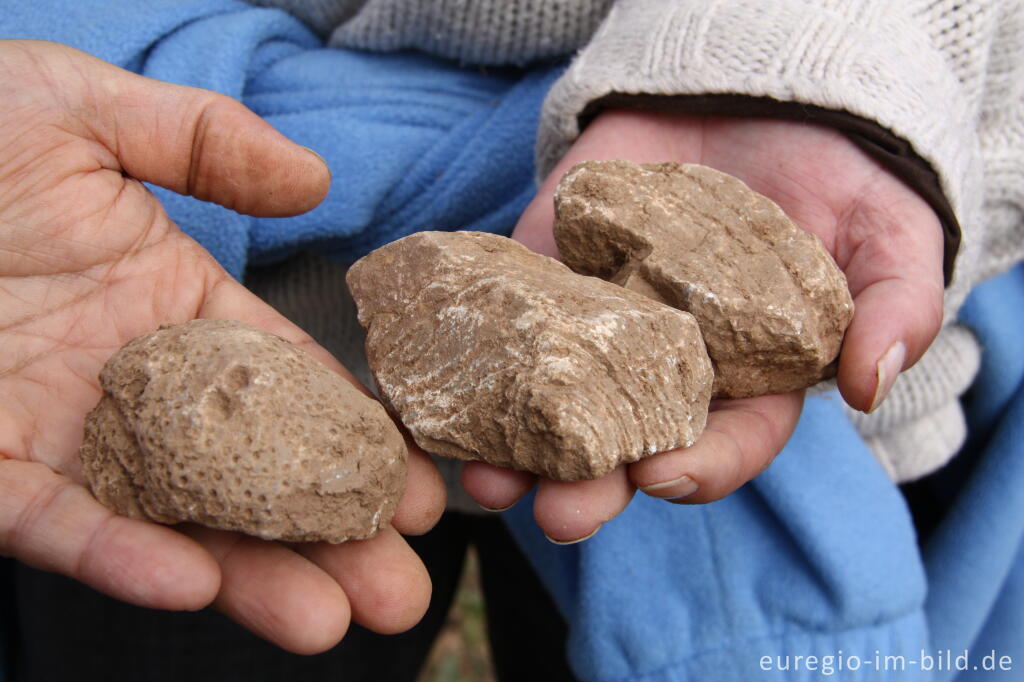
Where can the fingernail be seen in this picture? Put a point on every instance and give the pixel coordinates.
(495, 509)
(887, 369)
(676, 489)
(317, 155)
(573, 542)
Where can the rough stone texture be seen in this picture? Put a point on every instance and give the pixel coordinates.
(771, 303)
(217, 422)
(488, 351)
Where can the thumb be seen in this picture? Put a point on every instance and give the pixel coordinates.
(893, 262)
(196, 142)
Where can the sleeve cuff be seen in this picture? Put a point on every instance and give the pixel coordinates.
(864, 67)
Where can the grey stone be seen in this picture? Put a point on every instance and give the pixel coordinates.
(771, 303)
(487, 351)
(216, 422)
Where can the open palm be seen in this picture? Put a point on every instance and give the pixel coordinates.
(88, 260)
(885, 238)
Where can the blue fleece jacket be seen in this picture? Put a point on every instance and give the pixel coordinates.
(817, 558)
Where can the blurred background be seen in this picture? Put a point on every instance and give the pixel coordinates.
(461, 652)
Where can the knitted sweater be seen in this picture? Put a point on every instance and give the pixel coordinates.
(947, 77)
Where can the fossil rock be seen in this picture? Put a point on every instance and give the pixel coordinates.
(771, 303)
(488, 351)
(217, 422)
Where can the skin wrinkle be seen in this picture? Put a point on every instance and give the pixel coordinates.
(21, 256)
(14, 296)
(863, 225)
(88, 110)
(29, 516)
(38, 454)
(87, 553)
(871, 251)
(87, 379)
(19, 171)
(730, 451)
(198, 139)
(795, 195)
(113, 278)
(25, 415)
(180, 265)
(22, 365)
(99, 215)
(935, 312)
(114, 98)
(50, 310)
(769, 426)
(83, 99)
(54, 341)
(156, 226)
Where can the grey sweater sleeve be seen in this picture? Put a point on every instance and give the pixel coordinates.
(320, 15)
(493, 32)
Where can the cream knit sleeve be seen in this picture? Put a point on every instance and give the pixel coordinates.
(935, 73)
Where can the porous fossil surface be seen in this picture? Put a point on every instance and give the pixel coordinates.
(488, 351)
(771, 303)
(216, 422)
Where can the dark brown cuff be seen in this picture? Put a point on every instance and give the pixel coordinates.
(894, 153)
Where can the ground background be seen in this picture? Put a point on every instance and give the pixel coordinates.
(461, 652)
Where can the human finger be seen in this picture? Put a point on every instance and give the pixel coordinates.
(275, 592)
(49, 522)
(424, 497)
(387, 585)
(892, 256)
(189, 140)
(741, 439)
(572, 511)
(495, 488)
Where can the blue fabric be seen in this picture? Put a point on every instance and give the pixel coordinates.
(817, 557)
(413, 143)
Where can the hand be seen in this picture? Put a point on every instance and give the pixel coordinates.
(882, 234)
(88, 260)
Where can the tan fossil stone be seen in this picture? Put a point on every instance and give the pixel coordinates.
(771, 303)
(488, 351)
(216, 422)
